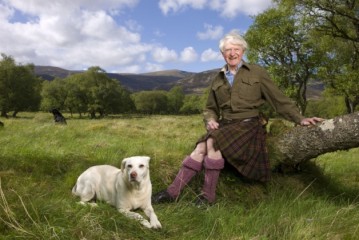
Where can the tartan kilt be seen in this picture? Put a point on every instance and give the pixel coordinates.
(242, 144)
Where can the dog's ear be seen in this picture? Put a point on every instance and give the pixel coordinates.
(123, 164)
(146, 158)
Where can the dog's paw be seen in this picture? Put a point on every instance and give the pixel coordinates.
(156, 224)
(92, 204)
(146, 223)
(82, 203)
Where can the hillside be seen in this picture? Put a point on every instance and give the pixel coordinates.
(197, 82)
(192, 83)
(161, 80)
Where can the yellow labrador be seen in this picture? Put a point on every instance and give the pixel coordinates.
(127, 189)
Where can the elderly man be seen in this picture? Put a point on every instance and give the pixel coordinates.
(234, 128)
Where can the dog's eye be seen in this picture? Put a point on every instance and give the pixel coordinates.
(141, 166)
(129, 166)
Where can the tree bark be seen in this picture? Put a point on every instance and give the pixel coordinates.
(302, 143)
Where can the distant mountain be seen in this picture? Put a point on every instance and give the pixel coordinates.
(315, 89)
(196, 83)
(192, 83)
(161, 80)
(49, 72)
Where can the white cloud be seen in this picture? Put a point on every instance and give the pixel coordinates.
(77, 34)
(227, 8)
(70, 35)
(152, 67)
(5, 12)
(133, 25)
(232, 8)
(140, 68)
(45, 7)
(97, 24)
(211, 55)
(188, 55)
(176, 5)
(129, 69)
(164, 54)
(211, 32)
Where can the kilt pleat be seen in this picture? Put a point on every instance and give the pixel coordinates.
(242, 144)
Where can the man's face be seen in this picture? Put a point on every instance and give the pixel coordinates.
(232, 54)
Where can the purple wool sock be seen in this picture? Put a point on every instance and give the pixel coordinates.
(212, 170)
(188, 170)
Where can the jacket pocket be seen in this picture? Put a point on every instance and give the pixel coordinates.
(222, 93)
(249, 89)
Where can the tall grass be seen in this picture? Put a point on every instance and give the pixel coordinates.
(40, 161)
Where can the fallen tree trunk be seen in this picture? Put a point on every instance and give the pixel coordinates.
(302, 143)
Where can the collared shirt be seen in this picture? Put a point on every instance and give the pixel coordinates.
(230, 75)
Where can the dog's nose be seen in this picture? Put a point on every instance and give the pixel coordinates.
(133, 174)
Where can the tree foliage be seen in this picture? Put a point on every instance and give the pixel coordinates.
(53, 94)
(19, 87)
(175, 99)
(192, 104)
(335, 25)
(336, 18)
(88, 92)
(279, 41)
(151, 102)
(305, 39)
(328, 106)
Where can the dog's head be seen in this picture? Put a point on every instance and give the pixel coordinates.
(55, 111)
(135, 169)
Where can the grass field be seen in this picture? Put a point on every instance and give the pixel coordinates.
(40, 161)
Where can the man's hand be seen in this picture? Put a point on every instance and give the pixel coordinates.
(309, 121)
(212, 125)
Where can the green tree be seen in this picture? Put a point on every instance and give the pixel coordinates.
(195, 103)
(19, 87)
(336, 18)
(340, 74)
(150, 102)
(175, 99)
(125, 104)
(94, 92)
(53, 94)
(105, 95)
(337, 25)
(328, 106)
(279, 41)
(192, 104)
(87, 92)
(76, 98)
(113, 98)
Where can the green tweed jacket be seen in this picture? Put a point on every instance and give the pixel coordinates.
(252, 86)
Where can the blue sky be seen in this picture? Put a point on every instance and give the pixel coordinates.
(123, 36)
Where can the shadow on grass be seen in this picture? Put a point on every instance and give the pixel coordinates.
(321, 184)
(235, 189)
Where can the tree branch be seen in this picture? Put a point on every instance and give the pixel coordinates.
(301, 143)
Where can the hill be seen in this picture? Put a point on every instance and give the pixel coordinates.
(192, 83)
(197, 82)
(161, 80)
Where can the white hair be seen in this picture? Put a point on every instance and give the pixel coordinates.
(233, 37)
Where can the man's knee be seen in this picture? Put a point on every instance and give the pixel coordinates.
(211, 151)
(199, 152)
(210, 145)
